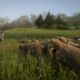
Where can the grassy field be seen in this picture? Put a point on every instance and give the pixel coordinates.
(15, 66)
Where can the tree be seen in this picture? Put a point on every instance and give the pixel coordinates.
(76, 19)
(2, 21)
(49, 20)
(65, 18)
(62, 16)
(44, 14)
(22, 21)
(59, 21)
(7, 20)
(33, 17)
(39, 21)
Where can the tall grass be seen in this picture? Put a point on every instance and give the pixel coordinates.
(15, 66)
(39, 33)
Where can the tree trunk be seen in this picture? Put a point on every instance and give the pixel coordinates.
(49, 27)
(58, 25)
(76, 27)
(39, 26)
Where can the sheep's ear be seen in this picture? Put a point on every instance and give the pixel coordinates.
(25, 38)
(42, 46)
(53, 40)
(60, 38)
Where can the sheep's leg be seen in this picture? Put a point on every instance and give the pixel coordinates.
(59, 61)
(56, 53)
(72, 72)
(39, 54)
(24, 53)
(50, 51)
(38, 51)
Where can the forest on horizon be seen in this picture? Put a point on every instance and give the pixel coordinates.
(46, 19)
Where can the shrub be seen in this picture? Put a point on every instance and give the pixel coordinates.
(62, 27)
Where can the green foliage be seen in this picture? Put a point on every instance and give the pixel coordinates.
(62, 27)
(39, 21)
(30, 33)
(76, 20)
(44, 19)
(49, 20)
(59, 20)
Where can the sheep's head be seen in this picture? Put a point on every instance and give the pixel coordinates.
(57, 37)
(25, 38)
(42, 46)
(63, 39)
(76, 37)
(21, 46)
(51, 43)
(67, 43)
(79, 41)
(33, 39)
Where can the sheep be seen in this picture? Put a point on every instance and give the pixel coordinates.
(75, 37)
(57, 37)
(78, 41)
(46, 49)
(33, 48)
(52, 39)
(39, 40)
(25, 40)
(45, 44)
(35, 40)
(50, 50)
(46, 39)
(73, 44)
(73, 40)
(63, 39)
(67, 54)
(28, 41)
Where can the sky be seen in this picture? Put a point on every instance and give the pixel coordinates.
(16, 8)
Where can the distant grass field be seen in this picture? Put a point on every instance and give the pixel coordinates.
(15, 66)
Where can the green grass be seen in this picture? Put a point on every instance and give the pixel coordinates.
(15, 66)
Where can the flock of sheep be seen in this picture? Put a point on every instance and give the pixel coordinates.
(67, 50)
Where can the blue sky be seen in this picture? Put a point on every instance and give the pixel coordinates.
(16, 8)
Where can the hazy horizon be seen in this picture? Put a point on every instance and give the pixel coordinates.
(16, 8)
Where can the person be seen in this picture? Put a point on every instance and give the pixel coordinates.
(2, 36)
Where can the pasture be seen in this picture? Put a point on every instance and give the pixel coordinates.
(15, 66)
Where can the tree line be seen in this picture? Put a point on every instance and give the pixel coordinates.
(44, 20)
(21, 22)
(61, 21)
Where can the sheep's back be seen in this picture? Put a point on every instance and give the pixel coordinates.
(71, 54)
